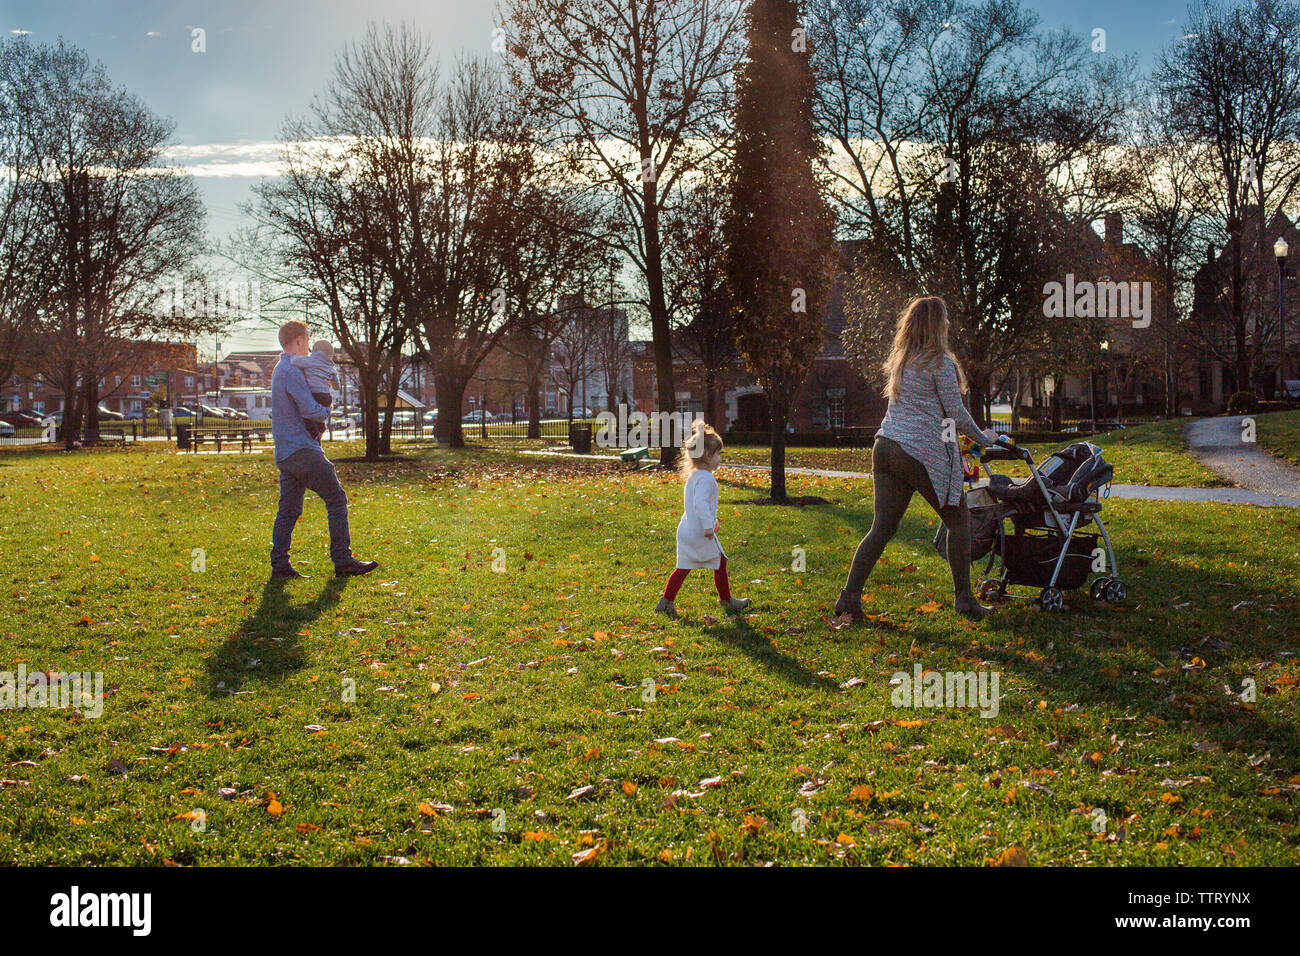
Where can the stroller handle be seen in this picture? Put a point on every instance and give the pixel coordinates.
(1005, 453)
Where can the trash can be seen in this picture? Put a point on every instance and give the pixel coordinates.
(580, 438)
(183, 437)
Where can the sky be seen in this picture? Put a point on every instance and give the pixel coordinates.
(264, 61)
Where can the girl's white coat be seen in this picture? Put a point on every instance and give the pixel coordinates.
(699, 513)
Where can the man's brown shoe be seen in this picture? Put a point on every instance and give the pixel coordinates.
(355, 569)
(283, 574)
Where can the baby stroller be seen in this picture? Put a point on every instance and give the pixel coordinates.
(1035, 530)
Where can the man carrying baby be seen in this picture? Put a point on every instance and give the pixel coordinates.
(302, 464)
(322, 375)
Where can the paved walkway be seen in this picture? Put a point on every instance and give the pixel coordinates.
(1218, 443)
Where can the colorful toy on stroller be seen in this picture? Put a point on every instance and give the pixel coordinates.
(1047, 545)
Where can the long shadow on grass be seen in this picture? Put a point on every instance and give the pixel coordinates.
(1084, 656)
(1089, 655)
(758, 646)
(265, 645)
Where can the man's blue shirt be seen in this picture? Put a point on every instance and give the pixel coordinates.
(291, 402)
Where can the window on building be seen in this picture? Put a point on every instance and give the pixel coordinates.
(189, 381)
(136, 381)
(835, 408)
(1204, 383)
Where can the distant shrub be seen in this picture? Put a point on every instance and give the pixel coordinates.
(1243, 403)
(1275, 406)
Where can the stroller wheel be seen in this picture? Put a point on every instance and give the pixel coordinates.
(1116, 591)
(990, 589)
(1097, 590)
(1051, 599)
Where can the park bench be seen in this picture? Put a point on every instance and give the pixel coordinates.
(635, 457)
(221, 434)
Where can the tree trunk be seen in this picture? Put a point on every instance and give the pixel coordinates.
(977, 402)
(534, 408)
(711, 397)
(71, 424)
(779, 413)
(91, 390)
(370, 419)
(660, 332)
(451, 395)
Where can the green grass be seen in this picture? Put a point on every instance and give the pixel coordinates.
(541, 671)
(1279, 433)
(827, 459)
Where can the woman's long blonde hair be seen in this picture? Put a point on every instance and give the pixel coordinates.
(921, 337)
(703, 444)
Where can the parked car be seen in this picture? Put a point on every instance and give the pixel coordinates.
(22, 418)
(581, 412)
(235, 414)
(476, 417)
(136, 415)
(210, 412)
(107, 414)
(6, 430)
(181, 411)
(431, 417)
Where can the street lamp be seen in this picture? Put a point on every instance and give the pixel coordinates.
(1280, 249)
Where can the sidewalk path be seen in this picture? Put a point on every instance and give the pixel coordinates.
(1217, 443)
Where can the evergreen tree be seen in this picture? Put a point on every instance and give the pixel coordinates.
(780, 230)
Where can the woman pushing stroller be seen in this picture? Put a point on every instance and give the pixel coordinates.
(916, 450)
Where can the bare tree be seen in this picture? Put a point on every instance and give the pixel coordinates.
(26, 256)
(636, 91)
(964, 133)
(1166, 208)
(611, 349)
(1233, 85)
(123, 225)
(319, 234)
(554, 257)
(573, 361)
(697, 280)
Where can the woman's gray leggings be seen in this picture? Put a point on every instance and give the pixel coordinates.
(896, 476)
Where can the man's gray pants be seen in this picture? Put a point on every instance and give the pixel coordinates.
(309, 468)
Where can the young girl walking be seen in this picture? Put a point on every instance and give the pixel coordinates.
(697, 533)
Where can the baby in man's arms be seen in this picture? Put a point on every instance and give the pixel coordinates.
(322, 375)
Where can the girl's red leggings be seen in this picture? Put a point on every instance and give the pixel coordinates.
(719, 581)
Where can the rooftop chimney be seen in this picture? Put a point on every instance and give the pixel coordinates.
(1114, 229)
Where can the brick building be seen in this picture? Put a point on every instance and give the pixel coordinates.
(835, 398)
(143, 382)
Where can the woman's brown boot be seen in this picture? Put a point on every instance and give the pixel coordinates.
(967, 605)
(850, 603)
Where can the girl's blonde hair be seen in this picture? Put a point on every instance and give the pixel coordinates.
(921, 337)
(703, 444)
